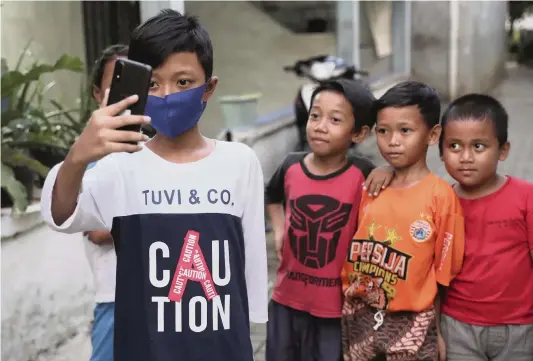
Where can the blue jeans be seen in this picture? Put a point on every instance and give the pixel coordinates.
(102, 332)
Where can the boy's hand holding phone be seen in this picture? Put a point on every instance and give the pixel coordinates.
(101, 136)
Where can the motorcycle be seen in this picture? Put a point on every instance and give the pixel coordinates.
(317, 69)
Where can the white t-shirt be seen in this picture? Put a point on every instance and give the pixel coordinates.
(191, 250)
(103, 262)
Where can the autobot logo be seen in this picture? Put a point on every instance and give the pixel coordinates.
(315, 228)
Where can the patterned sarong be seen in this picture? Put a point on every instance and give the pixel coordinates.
(402, 336)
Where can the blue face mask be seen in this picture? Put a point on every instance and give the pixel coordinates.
(176, 113)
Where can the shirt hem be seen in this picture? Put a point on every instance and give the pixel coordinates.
(477, 322)
(300, 307)
(255, 318)
(104, 298)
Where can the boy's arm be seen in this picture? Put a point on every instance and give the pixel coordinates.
(275, 199)
(376, 179)
(450, 224)
(99, 237)
(449, 245)
(253, 224)
(65, 206)
(449, 248)
(441, 294)
(65, 190)
(277, 218)
(68, 201)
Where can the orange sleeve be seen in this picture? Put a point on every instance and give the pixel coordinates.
(449, 246)
(362, 205)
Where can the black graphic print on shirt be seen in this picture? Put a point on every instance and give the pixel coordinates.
(315, 228)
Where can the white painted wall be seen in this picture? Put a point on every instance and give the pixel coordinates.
(459, 46)
(55, 28)
(152, 8)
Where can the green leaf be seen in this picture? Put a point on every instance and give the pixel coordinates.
(69, 62)
(12, 80)
(15, 158)
(23, 55)
(4, 68)
(66, 113)
(14, 188)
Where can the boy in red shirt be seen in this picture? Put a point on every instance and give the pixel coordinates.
(488, 311)
(321, 191)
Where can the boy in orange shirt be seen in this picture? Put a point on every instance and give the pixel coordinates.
(409, 240)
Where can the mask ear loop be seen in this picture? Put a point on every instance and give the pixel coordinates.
(207, 87)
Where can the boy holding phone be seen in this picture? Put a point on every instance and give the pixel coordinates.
(186, 212)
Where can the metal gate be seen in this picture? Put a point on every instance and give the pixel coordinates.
(106, 23)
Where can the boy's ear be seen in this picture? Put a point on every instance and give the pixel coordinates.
(361, 135)
(504, 151)
(210, 89)
(434, 134)
(98, 94)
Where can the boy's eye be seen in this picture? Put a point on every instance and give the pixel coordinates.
(313, 115)
(381, 130)
(335, 120)
(153, 84)
(405, 130)
(479, 146)
(454, 146)
(183, 82)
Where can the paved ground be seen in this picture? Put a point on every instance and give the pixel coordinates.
(515, 92)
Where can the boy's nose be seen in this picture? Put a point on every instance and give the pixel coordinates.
(394, 140)
(466, 156)
(321, 126)
(167, 90)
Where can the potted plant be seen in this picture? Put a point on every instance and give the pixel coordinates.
(32, 135)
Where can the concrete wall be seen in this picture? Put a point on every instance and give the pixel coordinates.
(430, 43)
(55, 28)
(46, 292)
(481, 47)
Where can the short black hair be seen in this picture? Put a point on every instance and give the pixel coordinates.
(167, 33)
(410, 93)
(108, 54)
(358, 95)
(480, 107)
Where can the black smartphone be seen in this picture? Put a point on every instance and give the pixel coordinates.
(129, 78)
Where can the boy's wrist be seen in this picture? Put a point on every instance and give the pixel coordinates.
(73, 161)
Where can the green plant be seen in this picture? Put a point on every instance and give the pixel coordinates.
(517, 10)
(31, 121)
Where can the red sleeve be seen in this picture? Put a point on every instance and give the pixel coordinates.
(529, 215)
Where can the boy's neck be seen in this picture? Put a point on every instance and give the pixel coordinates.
(492, 185)
(321, 165)
(408, 176)
(190, 146)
